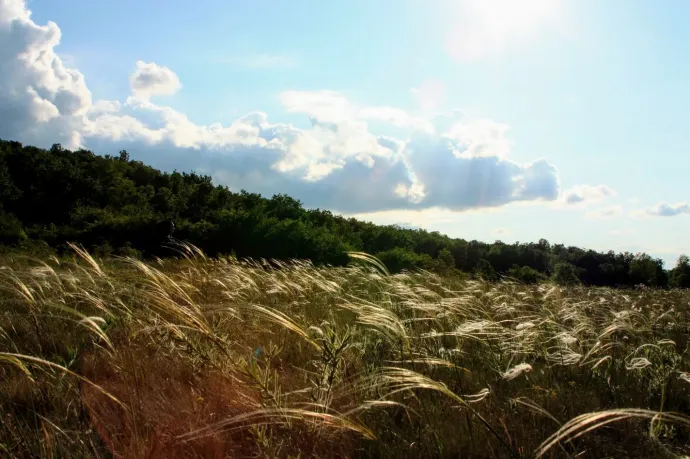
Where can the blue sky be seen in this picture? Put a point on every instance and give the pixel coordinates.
(483, 119)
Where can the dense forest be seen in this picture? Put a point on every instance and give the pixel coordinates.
(114, 205)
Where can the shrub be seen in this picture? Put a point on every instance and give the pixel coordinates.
(399, 259)
(565, 274)
(525, 274)
(11, 230)
(485, 271)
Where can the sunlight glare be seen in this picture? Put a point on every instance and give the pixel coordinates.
(487, 27)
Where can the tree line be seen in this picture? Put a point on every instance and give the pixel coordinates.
(114, 205)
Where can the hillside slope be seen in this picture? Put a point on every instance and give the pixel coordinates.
(113, 204)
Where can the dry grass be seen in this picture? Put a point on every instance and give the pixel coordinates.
(194, 357)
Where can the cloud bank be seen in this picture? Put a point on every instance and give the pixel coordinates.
(663, 209)
(585, 194)
(338, 162)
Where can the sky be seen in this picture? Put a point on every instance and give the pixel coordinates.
(481, 119)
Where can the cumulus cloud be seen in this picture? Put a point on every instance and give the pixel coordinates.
(430, 95)
(584, 194)
(480, 138)
(338, 162)
(332, 107)
(39, 97)
(396, 117)
(324, 106)
(604, 212)
(663, 209)
(459, 182)
(489, 27)
(150, 79)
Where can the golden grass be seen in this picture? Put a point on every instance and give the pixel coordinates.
(198, 357)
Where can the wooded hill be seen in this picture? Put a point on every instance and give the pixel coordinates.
(113, 205)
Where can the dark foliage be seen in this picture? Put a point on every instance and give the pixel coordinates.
(111, 204)
(525, 274)
(565, 274)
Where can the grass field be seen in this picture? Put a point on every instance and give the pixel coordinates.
(193, 357)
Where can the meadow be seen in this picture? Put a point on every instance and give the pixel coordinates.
(198, 357)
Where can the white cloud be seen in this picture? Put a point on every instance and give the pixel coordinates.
(490, 27)
(13, 10)
(413, 193)
(502, 231)
(40, 98)
(480, 138)
(324, 106)
(101, 107)
(463, 182)
(604, 212)
(396, 117)
(150, 79)
(336, 163)
(418, 218)
(333, 107)
(585, 194)
(340, 165)
(430, 95)
(663, 209)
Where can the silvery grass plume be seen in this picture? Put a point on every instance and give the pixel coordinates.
(371, 260)
(377, 317)
(354, 320)
(588, 422)
(279, 416)
(516, 371)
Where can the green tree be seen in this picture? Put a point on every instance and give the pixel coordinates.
(525, 274)
(648, 271)
(485, 271)
(565, 274)
(11, 230)
(679, 277)
(445, 259)
(57, 195)
(399, 259)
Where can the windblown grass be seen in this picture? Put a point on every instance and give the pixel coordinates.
(198, 357)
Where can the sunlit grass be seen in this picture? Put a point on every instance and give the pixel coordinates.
(198, 357)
